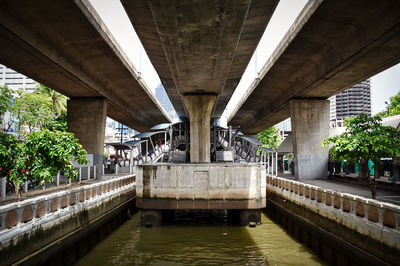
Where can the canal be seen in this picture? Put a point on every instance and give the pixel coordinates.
(201, 238)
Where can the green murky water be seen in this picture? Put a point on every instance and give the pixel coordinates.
(206, 239)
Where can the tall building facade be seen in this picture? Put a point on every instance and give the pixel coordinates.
(15, 80)
(351, 102)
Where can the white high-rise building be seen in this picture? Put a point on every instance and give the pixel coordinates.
(15, 80)
(351, 102)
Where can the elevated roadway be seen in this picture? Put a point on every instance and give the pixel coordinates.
(65, 45)
(200, 50)
(200, 47)
(331, 46)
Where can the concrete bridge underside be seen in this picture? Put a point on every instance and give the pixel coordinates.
(66, 46)
(331, 46)
(200, 49)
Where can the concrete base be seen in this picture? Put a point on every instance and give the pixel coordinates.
(249, 217)
(200, 186)
(98, 161)
(151, 217)
(199, 204)
(311, 166)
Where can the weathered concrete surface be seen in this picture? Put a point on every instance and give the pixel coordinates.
(199, 108)
(200, 46)
(310, 125)
(66, 46)
(87, 120)
(367, 231)
(200, 186)
(331, 46)
(38, 230)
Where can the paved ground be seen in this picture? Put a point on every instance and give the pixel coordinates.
(351, 188)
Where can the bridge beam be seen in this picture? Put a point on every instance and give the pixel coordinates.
(87, 119)
(199, 108)
(310, 125)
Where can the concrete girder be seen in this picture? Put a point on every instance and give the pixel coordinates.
(331, 46)
(66, 46)
(200, 47)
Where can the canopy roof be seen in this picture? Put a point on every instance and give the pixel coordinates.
(286, 146)
(267, 149)
(251, 140)
(146, 134)
(119, 145)
(135, 142)
(161, 126)
(393, 121)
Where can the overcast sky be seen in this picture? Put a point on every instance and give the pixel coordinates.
(383, 85)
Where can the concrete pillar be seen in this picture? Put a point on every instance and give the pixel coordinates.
(171, 138)
(150, 217)
(310, 125)
(199, 108)
(3, 187)
(87, 119)
(362, 166)
(250, 217)
(229, 137)
(396, 168)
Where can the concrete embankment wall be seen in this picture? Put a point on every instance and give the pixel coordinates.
(342, 229)
(60, 227)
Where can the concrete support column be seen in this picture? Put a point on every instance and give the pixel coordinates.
(150, 217)
(310, 125)
(396, 168)
(87, 119)
(199, 108)
(229, 137)
(250, 217)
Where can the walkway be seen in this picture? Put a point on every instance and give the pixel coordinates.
(351, 188)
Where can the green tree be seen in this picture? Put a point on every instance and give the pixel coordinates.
(5, 99)
(59, 123)
(32, 109)
(270, 138)
(8, 150)
(393, 108)
(58, 100)
(41, 156)
(365, 139)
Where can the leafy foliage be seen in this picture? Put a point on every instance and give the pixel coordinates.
(5, 98)
(59, 123)
(58, 100)
(365, 138)
(9, 148)
(270, 138)
(32, 109)
(394, 106)
(43, 154)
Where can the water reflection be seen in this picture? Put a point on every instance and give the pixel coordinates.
(204, 238)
